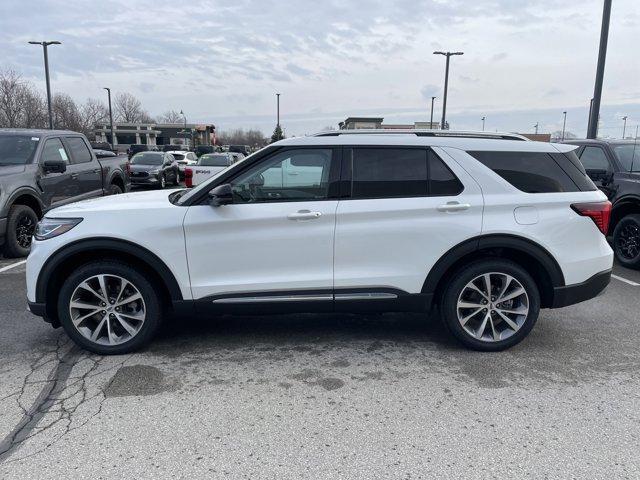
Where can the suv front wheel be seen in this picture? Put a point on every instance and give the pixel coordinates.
(491, 304)
(626, 241)
(108, 307)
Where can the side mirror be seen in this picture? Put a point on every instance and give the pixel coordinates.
(221, 195)
(54, 166)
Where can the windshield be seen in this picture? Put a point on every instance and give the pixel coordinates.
(629, 156)
(178, 156)
(214, 161)
(17, 149)
(147, 158)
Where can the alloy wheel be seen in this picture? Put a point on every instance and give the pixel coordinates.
(25, 228)
(492, 307)
(628, 241)
(107, 309)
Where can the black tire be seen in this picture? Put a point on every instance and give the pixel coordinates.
(114, 189)
(458, 282)
(152, 305)
(21, 225)
(176, 180)
(626, 241)
(163, 181)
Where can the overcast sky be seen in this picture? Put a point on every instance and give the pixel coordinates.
(223, 61)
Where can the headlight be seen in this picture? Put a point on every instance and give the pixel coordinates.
(52, 227)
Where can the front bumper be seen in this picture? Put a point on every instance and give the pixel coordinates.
(150, 180)
(579, 292)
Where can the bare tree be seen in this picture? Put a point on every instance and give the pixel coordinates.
(170, 116)
(242, 137)
(92, 112)
(66, 115)
(21, 106)
(129, 109)
(557, 135)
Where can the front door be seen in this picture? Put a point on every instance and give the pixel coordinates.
(275, 241)
(57, 188)
(598, 168)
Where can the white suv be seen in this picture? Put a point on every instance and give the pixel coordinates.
(490, 228)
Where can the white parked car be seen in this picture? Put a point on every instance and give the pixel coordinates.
(490, 228)
(208, 165)
(184, 159)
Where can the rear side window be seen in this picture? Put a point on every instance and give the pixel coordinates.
(389, 172)
(79, 151)
(530, 172)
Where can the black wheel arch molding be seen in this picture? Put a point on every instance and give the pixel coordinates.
(117, 246)
(31, 192)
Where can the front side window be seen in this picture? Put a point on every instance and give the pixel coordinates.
(293, 175)
(54, 151)
(389, 172)
(530, 172)
(629, 156)
(79, 151)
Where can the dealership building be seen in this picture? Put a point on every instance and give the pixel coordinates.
(356, 123)
(126, 134)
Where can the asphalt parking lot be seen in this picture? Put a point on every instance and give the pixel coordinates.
(324, 396)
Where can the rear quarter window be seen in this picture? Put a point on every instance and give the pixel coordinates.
(535, 172)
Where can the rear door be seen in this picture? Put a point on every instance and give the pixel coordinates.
(402, 209)
(84, 169)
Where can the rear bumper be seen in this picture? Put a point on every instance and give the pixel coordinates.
(579, 292)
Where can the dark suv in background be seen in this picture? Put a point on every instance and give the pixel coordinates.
(43, 169)
(614, 166)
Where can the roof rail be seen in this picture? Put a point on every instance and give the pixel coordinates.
(424, 133)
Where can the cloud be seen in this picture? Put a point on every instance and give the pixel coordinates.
(429, 91)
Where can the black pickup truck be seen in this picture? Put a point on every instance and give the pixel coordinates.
(614, 166)
(43, 169)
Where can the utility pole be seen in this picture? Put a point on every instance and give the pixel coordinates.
(564, 124)
(592, 130)
(113, 137)
(624, 127)
(278, 109)
(431, 121)
(185, 124)
(536, 127)
(483, 119)
(46, 74)
(446, 84)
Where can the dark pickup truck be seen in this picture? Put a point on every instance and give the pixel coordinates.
(614, 166)
(43, 169)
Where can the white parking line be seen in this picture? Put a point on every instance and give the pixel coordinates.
(13, 265)
(635, 284)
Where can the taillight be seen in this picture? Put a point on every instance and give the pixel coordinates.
(599, 212)
(188, 177)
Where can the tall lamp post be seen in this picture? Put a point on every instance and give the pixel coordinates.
(46, 74)
(564, 124)
(113, 138)
(483, 119)
(278, 109)
(594, 114)
(536, 127)
(624, 126)
(446, 83)
(431, 121)
(185, 124)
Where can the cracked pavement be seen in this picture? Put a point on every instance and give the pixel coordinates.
(324, 396)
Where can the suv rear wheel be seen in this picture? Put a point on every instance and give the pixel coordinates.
(109, 307)
(626, 241)
(491, 304)
(21, 225)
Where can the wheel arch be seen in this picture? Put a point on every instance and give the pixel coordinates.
(65, 260)
(534, 258)
(626, 205)
(116, 179)
(29, 197)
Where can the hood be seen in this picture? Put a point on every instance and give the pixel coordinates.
(147, 200)
(6, 170)
(144, 168)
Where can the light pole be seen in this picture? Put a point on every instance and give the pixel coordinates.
(278, 109)
(564, 124)
(483, 119)
(592, 130)
(536, 127)
(446, 84)
(46, 74)
(624, 126)
(113, 138)
(431, 121)
(185, 124)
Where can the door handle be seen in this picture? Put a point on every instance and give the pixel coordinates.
(304, 215)
(453, 207)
